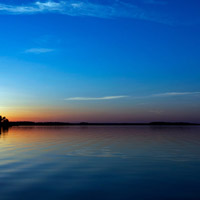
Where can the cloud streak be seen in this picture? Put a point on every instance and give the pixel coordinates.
(85, 8)
(171, 94)
(94, 98)
(167, 94)
(38, 50)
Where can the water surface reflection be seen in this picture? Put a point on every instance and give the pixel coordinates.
(99, 162)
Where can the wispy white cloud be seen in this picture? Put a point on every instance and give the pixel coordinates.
(166, 94)
(36, 7)
(86, 8)
(38, 50)
(94, 98)
(169, 94)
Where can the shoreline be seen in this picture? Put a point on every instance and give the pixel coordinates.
(11, 124)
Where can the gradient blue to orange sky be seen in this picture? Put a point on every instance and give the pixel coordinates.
(100, 60)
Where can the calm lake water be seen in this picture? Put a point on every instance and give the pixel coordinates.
(115, 162)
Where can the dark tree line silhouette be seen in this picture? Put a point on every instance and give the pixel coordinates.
(4, 121)
(5, 124)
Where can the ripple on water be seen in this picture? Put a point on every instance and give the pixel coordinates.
(133, 162)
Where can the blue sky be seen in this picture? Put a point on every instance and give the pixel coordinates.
(114, 60)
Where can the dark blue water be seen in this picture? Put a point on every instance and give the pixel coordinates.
(104, 163)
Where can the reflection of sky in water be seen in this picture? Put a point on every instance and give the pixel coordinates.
(100, 163)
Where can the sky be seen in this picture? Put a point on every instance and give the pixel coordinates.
(100, 60)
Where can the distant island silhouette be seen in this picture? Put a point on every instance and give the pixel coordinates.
(4, 122)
